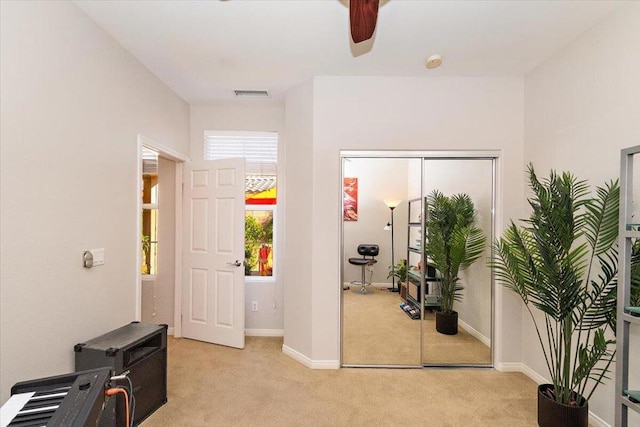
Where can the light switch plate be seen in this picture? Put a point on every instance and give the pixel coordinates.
(98, 256)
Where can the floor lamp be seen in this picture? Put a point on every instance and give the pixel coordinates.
(392, 204)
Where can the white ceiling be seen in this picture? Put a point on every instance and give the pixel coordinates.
(203, 50)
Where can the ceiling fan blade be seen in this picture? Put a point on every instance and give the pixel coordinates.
(363, 15)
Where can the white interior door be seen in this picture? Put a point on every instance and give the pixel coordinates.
(213, 252)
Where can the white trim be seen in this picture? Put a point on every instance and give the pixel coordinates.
(177, 298)
(470, 154)
(310, 363)
(536, 377)
(474, 333)
(138, 184)
(161, 149)
(508, 367)
(596, 421)
(264, 332)
(170, 330)
(179, 159)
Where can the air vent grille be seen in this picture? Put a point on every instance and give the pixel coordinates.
(251, 93)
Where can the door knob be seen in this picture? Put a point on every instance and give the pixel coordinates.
(237, 263)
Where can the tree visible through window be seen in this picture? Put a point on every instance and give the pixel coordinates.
(258, 243)
(149, 238)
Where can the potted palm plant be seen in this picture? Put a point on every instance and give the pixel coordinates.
(452, 243)
(562, 262)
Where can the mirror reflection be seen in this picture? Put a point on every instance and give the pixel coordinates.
(376, 331)
(465, 186)
(387, 319)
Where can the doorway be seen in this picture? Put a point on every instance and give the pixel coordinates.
(391, 324)
(159, 186)
(207, 282)
(158, 238)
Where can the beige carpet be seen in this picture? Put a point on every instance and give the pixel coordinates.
(461, 348)
(377, 332)
(212, 385)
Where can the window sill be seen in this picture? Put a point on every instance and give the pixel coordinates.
(259, 279)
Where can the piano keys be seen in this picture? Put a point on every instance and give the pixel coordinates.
(72, 400)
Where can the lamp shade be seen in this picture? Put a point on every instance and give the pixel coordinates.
(391, 204)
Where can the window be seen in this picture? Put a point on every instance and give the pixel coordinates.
(258, 241)
(260, 150)
(149, 240)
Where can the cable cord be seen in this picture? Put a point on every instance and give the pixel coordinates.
(114, 391)
(132, 400)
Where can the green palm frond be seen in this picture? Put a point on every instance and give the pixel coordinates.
(453, 243)
(513, 264)
(562, 261)
(600, 300)
(601, 223)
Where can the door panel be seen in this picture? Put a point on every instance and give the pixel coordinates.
(471, 346)
(213, 282)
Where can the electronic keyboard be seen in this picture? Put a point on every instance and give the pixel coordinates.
(72, 400)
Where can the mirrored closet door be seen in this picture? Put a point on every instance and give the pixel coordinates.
(375, 330)
(471, 342)
(387, 319)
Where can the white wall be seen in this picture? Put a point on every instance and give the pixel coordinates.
(73, 102)
(300, 214)
(378, 180)
(581, 107)
(251, 115)
(404, 114)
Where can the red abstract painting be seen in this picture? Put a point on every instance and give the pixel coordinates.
(350, 199)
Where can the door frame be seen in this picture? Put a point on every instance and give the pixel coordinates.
(179, 160)
(496, 220)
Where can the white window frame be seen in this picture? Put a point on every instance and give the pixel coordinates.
(248, 207)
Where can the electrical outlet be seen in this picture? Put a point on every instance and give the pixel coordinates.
(254, 305)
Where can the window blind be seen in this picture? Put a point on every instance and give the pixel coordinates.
(260, 149)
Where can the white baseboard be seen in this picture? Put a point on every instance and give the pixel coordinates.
(264, 332)
(310, 363)
(474, 333)
(594, 420)
(170, 330)
(522, 368)
(508, 367)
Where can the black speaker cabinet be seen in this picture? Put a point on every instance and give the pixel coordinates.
(140, 349)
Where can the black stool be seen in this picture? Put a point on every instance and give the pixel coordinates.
(368, 252)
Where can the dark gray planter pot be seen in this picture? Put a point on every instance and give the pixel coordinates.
(554, 414)
(447, 323)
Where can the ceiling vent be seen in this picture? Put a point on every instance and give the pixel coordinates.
(251, 93)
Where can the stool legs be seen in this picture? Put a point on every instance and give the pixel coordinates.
(363, 282)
